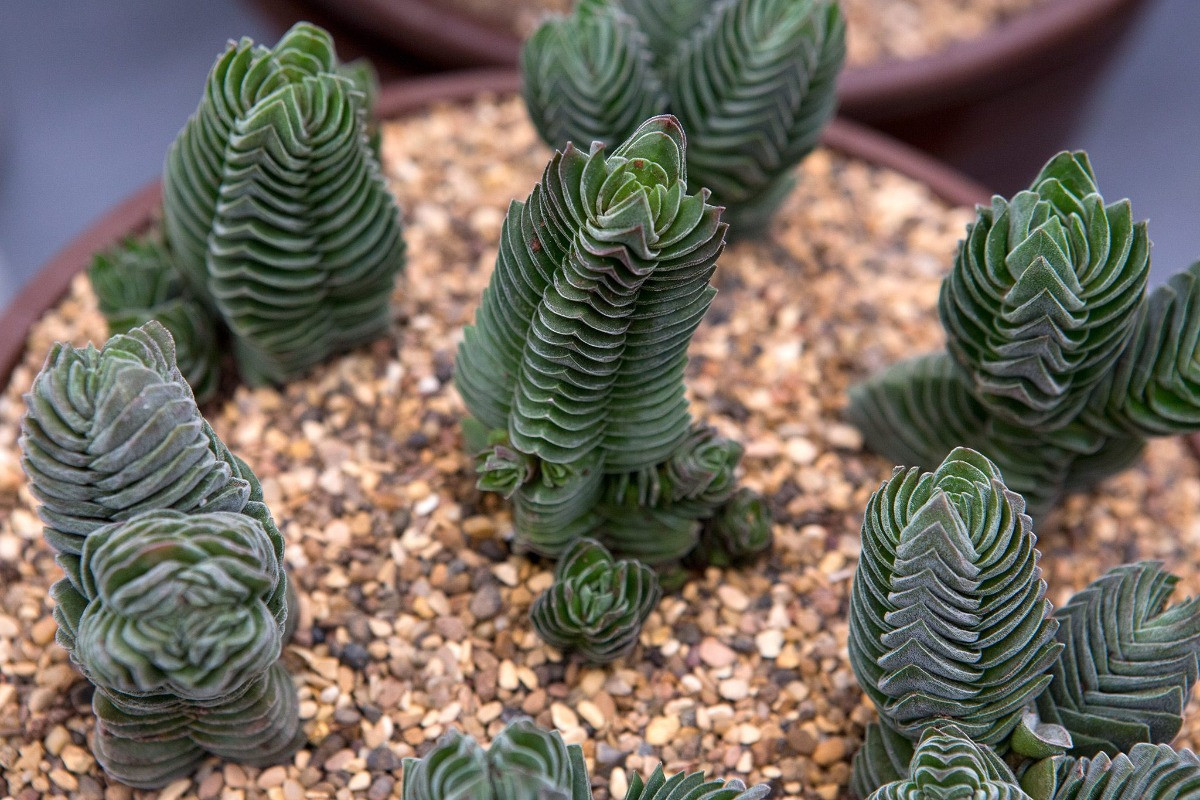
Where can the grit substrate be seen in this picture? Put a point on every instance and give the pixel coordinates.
(879, 30)
(414, 610)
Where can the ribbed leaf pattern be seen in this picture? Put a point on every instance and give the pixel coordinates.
(1042, 298)
(597, 605)
(753, 82)
(948, 616)
(947, 765)
(590, 77)
(1128, 664)
(883, 758)
(1059, 364)
(274, 202)
(1148, 772)
(691, 786)
(575, 362)
(739, 532)
(136, 282)
(524, 761)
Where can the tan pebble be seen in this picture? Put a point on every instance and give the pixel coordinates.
(618, 783)
(843, 436)
(64, 780)
(506, 573)
(508, 675)
(478, 527)
(661, 730)
(292, 790)
(563, 717)
(769, 643)
(828, 791)
(745, 763)
(43, 630)
(527, 677)
(592, 714)
(748, 734)
(235, 776)
(58, 738)
(77, 759)
(211, 786)
(801, 451)
(359, 782)
(733, 598)
(716, 654)
(489, 711)
(175, 789)
(9, 629)
(232, 794)
(829, 751)
(734, 689)
(272, 777)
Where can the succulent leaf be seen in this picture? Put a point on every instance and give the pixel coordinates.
(739, 532)
(948, 616)
(589, 77)
(597, 605)
(136, 282)
(1043, 296)
(276, 207)
(1148, 772)
(1128, 664)
(947, 765)
(751, 80)
(883, 758)
(691, 786)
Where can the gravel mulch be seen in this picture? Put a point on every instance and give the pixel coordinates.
(413, 608)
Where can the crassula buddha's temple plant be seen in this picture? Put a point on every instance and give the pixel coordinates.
(525, 761)
(752, 81)
(175, 601)
(949, 625)
(1058, 364)
(573, 370)
(275, 210)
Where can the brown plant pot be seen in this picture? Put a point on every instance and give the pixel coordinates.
(996, 107)
(402, 97)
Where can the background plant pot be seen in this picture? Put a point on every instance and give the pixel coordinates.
(401, 97)
(996, 107)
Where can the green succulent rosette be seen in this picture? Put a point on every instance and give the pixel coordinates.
(739, 531)
(883, 758)
(573, 370)
(276, 207)
(1128, 664)
(597, 605)
(111, 433)
(948, 616)
(178, 619)
(753, 82)
(1147, 772)
(691, 786)
(524, 761)
(948, 765)
(136, 282)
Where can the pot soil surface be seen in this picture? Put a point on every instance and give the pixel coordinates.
(414, 610)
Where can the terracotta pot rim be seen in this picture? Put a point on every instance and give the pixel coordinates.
(52, 281)
(997, 60)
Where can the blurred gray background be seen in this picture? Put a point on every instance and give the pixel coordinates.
(91, 95)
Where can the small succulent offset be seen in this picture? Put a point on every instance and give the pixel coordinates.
(573, 370)
(1148, 772)
(136, 282)
(525, 761)
(1059, 365)
(947, 765)
(752, 81)
(596, 606)
(274, 204)
(949, 625)
(175, 602)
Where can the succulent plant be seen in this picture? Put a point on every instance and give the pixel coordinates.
(1129, 662)
(948, 616)
(136, 282)
(276, 208)
(883, 758)
(573, 370)
(1147, 772)
(948, 765)
(597, 605)
(1059, 365)
(525, 761)
(175, 603)
(752, 81)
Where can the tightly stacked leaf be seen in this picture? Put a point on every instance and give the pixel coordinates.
(525, 761)
(947, 765)
(949, 625)
(596, 606)
(1059, 365)
(1148, 772)
(175, 601)
(136, 282)
(274, 205)
(752, 81)
(573, 370)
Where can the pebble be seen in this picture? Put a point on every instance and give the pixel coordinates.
(716, 654)
(486, 602)
(661, 730)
